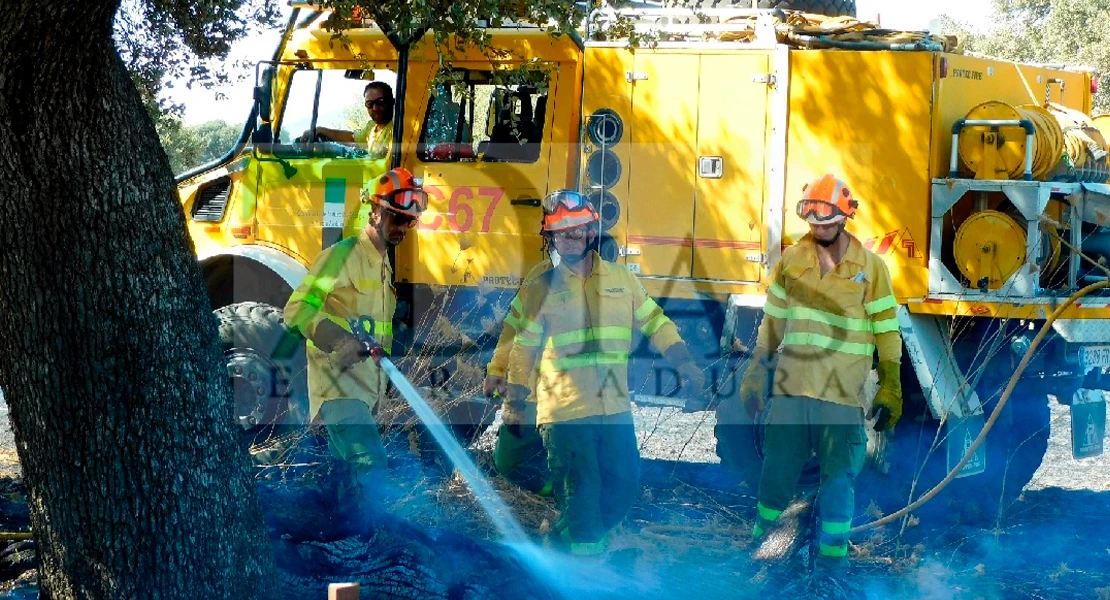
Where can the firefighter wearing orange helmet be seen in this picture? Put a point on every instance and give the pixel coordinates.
(830, 307)
(574, 332)
(350, 280)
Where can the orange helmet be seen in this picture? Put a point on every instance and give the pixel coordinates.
(397, 190)
(567, 209)
(826, 200)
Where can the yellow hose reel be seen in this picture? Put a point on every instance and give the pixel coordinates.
(991, 245)
(1062, 138)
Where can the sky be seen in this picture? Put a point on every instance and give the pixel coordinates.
(202, 105)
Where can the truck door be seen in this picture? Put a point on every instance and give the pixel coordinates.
(484, 153)
(729, 189)
(308, 193)
(661, 187)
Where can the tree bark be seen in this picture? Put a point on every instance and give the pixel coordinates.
(120, 405)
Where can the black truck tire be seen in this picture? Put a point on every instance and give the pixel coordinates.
(266, 364)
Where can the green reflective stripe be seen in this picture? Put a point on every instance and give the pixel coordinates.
(529, 325)
(526, 340)
(824, 341)
(340, 322)
(837, 551)
(546, 489)
(778, 291)
(321, 283)
(774, 311)
(653, 325)
(512, 321)
(827, 318)
(877, 306)
(313, 300)
(884, 326)
(757, 531)
(516, 305)
(836, 527)
(649, 306)
(768, 514)
(578, 361)
(581, 336)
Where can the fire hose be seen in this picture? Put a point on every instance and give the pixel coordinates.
(1025, 359)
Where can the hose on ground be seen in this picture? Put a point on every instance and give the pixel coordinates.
(8, 536)
(1059, 310)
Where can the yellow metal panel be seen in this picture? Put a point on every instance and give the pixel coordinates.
(290, 210)
(472, 232)
(865, 116)
(732, 125)
(661, 192)
(1093, 309)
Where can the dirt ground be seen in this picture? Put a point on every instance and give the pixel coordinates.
(686, 536)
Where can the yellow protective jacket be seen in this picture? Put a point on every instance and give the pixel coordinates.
(829, 327)
(499, 365)
(349, 279)
(578, 332)
(378, 141)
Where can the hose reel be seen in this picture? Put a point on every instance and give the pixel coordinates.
(993, 143)
(990, 246)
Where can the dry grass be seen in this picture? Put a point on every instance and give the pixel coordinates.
(9, 463)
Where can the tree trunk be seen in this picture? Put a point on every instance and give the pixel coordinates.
(120, 404)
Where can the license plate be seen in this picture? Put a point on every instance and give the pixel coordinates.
(1095, 356)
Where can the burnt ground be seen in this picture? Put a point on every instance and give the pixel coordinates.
(686, 537)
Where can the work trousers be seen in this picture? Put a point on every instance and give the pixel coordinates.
(798, 428)
(523, 460)
(355, 443)
(595, 464)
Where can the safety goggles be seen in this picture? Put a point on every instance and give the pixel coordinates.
(408, 200)
(578, 233)
(819, 212)
(570, 200)
(379, 102)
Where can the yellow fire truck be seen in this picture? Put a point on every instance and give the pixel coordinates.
(981, 179)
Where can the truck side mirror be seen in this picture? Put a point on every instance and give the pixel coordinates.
(264, 93)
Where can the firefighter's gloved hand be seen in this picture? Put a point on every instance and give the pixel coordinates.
(886, 410)
(328, 336)
(494, 385)
(693, 388)
(518, 415)
(691, 380)
(753, 388)
(349, 352)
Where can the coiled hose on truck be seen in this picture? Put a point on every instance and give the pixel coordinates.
(1025, 359)
(1067, 145)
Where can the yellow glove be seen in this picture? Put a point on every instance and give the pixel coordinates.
(887, 407)
(753, 389)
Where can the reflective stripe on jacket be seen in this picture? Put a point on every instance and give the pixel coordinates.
(829, 327)
(579, 333)
(349, 279)
(499, 364)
